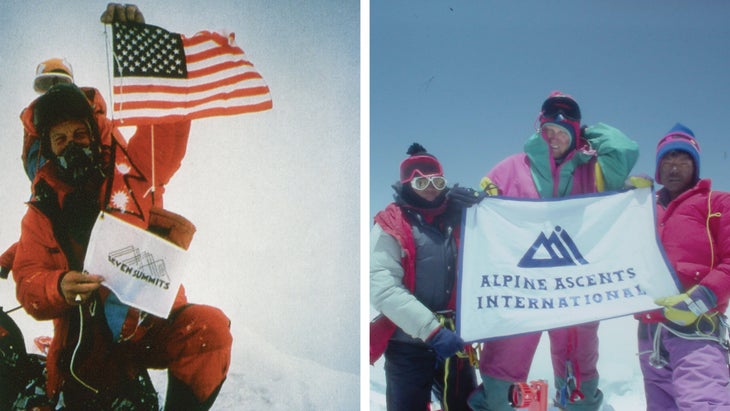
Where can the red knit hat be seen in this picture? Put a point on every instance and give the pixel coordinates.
(420, 162)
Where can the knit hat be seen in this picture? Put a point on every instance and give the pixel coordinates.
(678, 138)
(50, 72)
(60, 103)
(562, 110)
(420, 162)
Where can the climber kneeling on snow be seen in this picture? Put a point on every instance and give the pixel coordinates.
(100, 345)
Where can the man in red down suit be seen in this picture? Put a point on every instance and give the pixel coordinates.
(99, 344)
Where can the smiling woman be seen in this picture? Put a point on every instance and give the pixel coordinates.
(558, 138)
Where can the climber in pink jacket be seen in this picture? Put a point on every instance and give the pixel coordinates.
(560, 159)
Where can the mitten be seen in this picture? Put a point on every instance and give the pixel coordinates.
(640, 181)
(446, 343)
(463, 197)
(488, 186)
(121, 13)
(684, 309)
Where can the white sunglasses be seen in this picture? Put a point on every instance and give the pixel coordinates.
(421, 183)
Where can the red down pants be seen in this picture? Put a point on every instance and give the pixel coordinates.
(193, 344)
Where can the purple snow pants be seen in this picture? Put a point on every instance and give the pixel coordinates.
(695, 377)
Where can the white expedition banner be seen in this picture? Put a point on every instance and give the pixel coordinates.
(530, 265)
(142, 269)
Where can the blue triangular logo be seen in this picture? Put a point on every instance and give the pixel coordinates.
(560, 248)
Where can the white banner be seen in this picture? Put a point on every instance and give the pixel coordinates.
(530, 265)
(142, 269)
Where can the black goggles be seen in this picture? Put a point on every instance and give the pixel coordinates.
(564, 106)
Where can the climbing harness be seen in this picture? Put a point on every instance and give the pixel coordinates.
(716, 333)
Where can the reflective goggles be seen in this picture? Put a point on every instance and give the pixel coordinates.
(565, 106)
(421, 183)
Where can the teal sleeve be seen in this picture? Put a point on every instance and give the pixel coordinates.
(617, 153)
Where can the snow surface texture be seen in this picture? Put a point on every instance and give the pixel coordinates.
(618, 365)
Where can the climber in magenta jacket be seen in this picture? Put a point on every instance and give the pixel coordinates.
(682, 348)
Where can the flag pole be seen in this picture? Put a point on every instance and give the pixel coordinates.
(152, 151)
(109, 68)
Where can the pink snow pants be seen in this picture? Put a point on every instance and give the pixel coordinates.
(510, 358)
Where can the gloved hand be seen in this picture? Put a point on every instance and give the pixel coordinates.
(488, 186)
(463, 197)
(685, 308)
(446, 343)
(121, 13)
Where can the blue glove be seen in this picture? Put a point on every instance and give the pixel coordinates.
(462, 197)
(446, 343)
(684, 309)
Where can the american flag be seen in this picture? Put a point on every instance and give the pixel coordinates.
(161, 76)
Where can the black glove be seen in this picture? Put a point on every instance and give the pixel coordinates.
(462, 197)
(446, 343)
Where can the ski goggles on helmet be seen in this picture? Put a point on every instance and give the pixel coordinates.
(421, 183)
(561, 105)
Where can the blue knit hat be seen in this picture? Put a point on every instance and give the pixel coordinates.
(678, 138)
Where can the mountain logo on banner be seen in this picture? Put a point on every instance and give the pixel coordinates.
(141, 265)
(560, 248)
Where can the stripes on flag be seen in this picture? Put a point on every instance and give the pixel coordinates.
(162, 77)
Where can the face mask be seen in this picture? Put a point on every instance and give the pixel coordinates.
(75, 163)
